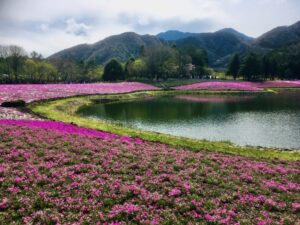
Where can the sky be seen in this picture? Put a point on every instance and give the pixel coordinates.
(48, 26)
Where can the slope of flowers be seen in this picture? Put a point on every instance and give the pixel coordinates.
(220, 85)
(56, 173)
(33, 92)
(280, 84)
(239, 85)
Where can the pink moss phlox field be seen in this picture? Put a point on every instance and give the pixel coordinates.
(33, 92)
(239, 85)
(220, 85)
(280, 84)
(57, 173)
(67, 128)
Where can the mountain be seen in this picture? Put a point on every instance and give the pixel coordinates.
(220, 45)
(121, 47)
(240, 35)
(279, 37)
(173, 35)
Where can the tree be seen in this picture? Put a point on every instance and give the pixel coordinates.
(17, 55)
(30, 69)
(12, 58)
(142, 51)
(266, 67)
(94, 74)
(169, 68)
(234, 66)
(4, 65)
(250, 68)
(113, 71)
(155, 58)
(184, 60)
(136, 68)
(273, 68)
(192, 57)
(36, 56)
(129, 67)
(46, 72)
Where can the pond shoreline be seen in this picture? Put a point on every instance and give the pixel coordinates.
(64, 109)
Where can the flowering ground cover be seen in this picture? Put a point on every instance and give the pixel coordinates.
(239, 85)
(57, 173)
(34, 92)
(220, 85)
(280, 84)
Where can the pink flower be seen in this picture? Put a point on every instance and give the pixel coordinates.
(154, 222)
(131, 208)
(18, 179)
(174, 192)
(221, 85)
(14, 189)
(33, 92)
(3, 203)
(264, 221)
(208, 217)
(116, 223)
(296, 207)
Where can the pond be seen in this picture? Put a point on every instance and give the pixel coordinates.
(267, 120)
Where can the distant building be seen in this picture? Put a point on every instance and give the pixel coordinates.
(190, 69)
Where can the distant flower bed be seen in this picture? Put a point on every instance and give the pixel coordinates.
(33, 92)
(280, 84)
(239, 85)
(58, 173)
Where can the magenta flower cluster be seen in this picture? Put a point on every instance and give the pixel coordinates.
(34, 92)
(58, 173)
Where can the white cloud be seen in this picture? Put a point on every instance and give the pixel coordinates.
(51, 25)
(44, 27)
(76, 28)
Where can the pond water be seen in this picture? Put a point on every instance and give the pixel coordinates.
(268, 120)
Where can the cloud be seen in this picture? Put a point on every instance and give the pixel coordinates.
(143, 24)
(51, 25)
(76, 28)
(44, 27)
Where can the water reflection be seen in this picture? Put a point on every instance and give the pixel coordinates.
(270, 120)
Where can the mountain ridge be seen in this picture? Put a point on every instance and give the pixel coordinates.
(121, 47)
(279, 36)
(220, 45)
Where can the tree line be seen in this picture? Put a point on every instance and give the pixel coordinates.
(160, 63)
(254, 67)
(157, 63)
(16, 66)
